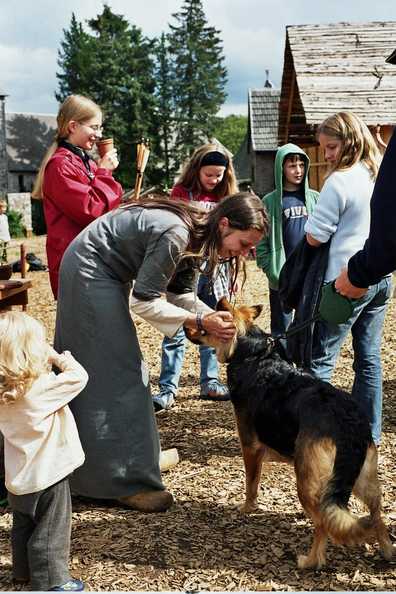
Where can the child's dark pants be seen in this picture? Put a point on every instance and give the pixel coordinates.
(40, 536)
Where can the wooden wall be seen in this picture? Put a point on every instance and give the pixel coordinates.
(318, 166)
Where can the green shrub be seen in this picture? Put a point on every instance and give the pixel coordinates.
(17, 228)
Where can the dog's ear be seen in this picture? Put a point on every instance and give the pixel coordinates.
(257, 310)
(249, 313)
(223, 305)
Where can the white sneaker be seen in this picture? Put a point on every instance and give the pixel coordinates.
(163, 401)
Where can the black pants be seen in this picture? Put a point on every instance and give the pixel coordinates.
(40, 536)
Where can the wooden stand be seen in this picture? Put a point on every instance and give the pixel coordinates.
(15, 291)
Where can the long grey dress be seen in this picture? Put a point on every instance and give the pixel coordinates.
(114, 413)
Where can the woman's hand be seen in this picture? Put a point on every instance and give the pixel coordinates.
(220, 324)
(344, 286)
(109, 160)
(312, 241)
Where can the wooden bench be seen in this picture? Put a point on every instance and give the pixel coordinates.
(15, 291)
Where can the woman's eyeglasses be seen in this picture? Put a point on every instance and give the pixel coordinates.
(94, 127)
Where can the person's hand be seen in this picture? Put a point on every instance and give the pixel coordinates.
(344, 286)
(57, 359)
(312, 241)
(220, 324)
(109, 160)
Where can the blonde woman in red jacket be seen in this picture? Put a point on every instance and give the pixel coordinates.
(75, 189)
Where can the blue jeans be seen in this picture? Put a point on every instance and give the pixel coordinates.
(173, 350)
(280, 321)
(366, 325)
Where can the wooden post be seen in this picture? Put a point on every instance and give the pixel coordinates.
(142, 155)
(23, 260)
(22, 250)
(290, 105)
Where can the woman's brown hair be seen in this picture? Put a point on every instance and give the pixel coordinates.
(189, 177)
(244, 211)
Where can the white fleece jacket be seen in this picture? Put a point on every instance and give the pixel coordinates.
(41, 441)
(342, 213)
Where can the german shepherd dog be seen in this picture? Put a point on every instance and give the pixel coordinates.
(284, 414)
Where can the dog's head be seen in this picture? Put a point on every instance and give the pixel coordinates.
(243, 317)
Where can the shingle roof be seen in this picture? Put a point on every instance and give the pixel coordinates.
(263, 118)
(341, 66)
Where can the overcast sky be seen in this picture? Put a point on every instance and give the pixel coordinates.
(253, 33)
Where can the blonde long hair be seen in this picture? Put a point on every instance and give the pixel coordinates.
(77, 108)
(357, 142)
(23, 354)
(189, 177)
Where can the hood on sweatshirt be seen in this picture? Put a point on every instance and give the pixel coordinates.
(281, 154)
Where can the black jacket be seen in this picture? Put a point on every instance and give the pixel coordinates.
(300, 284)
(378, 256)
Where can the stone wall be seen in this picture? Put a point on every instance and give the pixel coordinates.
(21, 203)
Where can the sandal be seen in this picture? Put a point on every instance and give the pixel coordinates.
(214, 390)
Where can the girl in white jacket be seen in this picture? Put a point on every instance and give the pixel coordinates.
(41, 448)
(342, 215)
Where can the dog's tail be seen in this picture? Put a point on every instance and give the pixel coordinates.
(344, 528)
(341, 525)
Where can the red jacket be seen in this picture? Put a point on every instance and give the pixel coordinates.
(71, 201)
(207, 200)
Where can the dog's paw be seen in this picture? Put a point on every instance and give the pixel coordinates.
(388, 552)
(248, 507)
(305, 562)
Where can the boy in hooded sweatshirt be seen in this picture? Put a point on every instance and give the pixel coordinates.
(288, 207)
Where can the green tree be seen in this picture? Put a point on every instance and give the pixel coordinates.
(74, 61)
(119, 76)
(199, 76)
(165, 107)
(231, 131)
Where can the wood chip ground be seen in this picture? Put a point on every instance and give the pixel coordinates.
(204, 542)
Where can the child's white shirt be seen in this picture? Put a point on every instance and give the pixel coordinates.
(4, 228)
(342, 213)
(41, 441)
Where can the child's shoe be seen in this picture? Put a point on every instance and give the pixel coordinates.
(163, 401)
(70, 586)
(214, 390)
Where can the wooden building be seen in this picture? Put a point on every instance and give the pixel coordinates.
(331, 68)
(254, 160)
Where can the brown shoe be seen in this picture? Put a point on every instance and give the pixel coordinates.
(148, 501)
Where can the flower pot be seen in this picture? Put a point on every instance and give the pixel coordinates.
(5, 271)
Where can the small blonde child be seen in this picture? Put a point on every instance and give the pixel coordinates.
(41, 448)
(4, 228)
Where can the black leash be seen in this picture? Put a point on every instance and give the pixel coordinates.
(298, 327)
